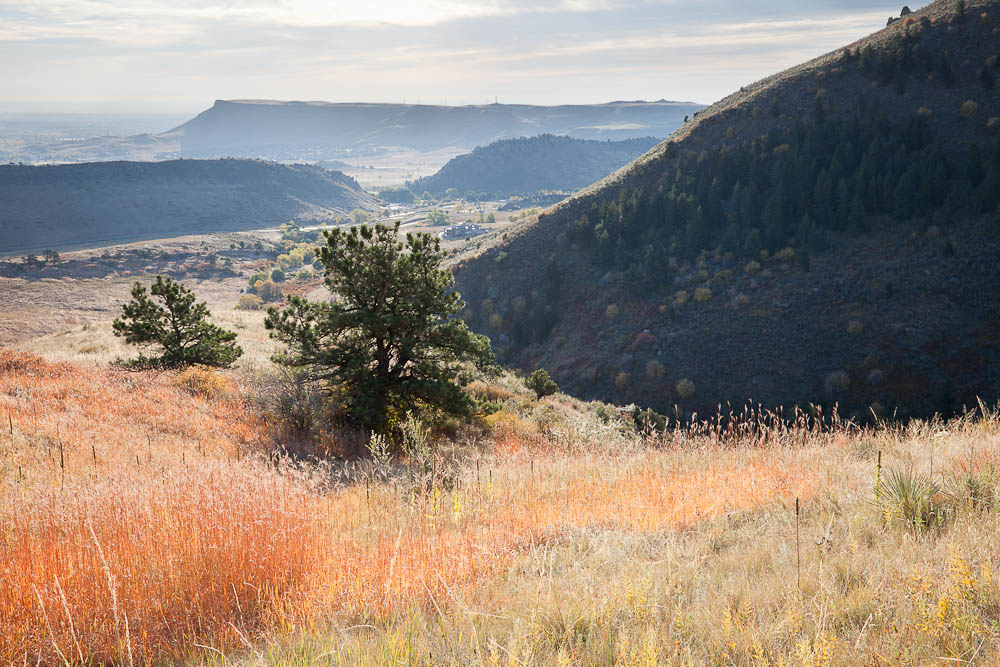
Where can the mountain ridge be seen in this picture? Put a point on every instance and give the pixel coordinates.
(683, 264)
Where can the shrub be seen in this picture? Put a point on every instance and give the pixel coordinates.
(969, 108)
(854, 327)
(723, 276)
(741, 301)
(612, 311)
(540, 383)
(680, 298)
(489, 392)
(496, 321)
(648, 420)
(269, 291)
(204, 382)
(621, 381)
(837, 382)
(250, 302)
(655, 370)
(685, 388)
(784, 255)
(702, 294)
(752, 266)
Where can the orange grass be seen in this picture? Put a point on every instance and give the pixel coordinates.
(179, 537)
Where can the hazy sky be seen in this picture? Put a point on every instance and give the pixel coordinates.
(179, 56)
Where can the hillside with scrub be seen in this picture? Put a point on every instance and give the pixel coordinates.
(54, 206)
(527, 165)
(826, 235)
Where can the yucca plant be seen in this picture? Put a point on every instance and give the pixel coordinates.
(912, 498)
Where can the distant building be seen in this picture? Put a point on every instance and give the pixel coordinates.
(463, 230)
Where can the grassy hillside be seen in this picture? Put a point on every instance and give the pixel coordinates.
(526, 165)
(825, 235)
(54, 206)
(147, 517)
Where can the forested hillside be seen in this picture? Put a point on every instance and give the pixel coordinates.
(51, 206)
(528, 165)
(826, 235)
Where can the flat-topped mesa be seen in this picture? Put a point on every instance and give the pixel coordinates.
(248, 127)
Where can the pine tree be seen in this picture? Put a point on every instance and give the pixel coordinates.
(388, 342)
(540, 383)
(168, 318)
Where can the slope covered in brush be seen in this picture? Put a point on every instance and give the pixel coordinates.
(56, 205)
(528, 165)
(825, 235)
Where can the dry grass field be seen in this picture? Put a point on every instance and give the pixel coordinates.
(146, 519)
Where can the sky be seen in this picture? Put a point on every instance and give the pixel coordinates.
(180, 56)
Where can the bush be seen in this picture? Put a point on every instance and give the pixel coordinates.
(969, 108)
(612, 311)
(205, 383)
(702, 294)
(854, 327)
(837, 382)
(278, 275)
(680, 298)
(250, 302)
(269, 291)
(655, 370)
(621, 381)
(685, 388)
(540, 383)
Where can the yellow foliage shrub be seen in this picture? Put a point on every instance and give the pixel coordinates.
(205, 382)
(702, 294)
(685, 388)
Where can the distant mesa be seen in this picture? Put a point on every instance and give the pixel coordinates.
(280, 129)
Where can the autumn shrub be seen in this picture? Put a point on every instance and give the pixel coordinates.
(655, 370)
(250, 302)
(837, 382)
(685, 388)
(855, 327)
(205, 382)
(702, 294)
(486, 391)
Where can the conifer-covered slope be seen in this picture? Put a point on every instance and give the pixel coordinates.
(528, 165)
(826, 235)
(59, 205)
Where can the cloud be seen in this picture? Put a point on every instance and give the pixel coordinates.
(191, 52)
